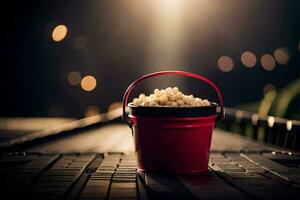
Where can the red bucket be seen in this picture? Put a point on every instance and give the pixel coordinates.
(173, 139)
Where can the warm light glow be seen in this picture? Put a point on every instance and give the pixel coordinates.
(88, 83)
(114, 106)
(59, 33)
(274, 152)
(271, 121)
(239, 114)
(74, 78)
(225, 64)
(268, 88)
(268, 62)
(282, 56)
(167, 34)
(91, 111)
(289, 125)
(248, 59)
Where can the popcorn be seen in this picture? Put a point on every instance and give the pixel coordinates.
(169, 97)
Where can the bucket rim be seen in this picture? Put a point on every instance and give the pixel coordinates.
(196, 111)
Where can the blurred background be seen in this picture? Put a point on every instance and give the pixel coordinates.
(76, 58)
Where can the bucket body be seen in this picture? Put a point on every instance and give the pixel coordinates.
(172, 144)
(172, 139)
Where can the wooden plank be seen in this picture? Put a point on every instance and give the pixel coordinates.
(57, 181)
(18, 179)
(228, 141)
(254, 184)
(98, 185)
(285, 173)
(160, 186)
(210, 186)
(123, 190)
(95, 189)
(124, 185)
(98, 140)
(118, 138)
(143, 195)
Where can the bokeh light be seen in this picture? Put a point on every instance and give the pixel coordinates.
(282, 56)
(289, 125)
(271, 121)
(88, 83)
(59, 33)
(91, 111)
(268, 87)
(248, 59)
(225, 64)
(115, 105)
(268, 62)
(74, 78)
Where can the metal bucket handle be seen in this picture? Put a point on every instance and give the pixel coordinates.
(221, 112)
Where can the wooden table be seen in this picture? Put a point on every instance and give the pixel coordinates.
(79, 167)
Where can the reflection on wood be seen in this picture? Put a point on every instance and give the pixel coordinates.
(111, 138)
(118, 138)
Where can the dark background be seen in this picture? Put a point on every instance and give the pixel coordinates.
(126, 39)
